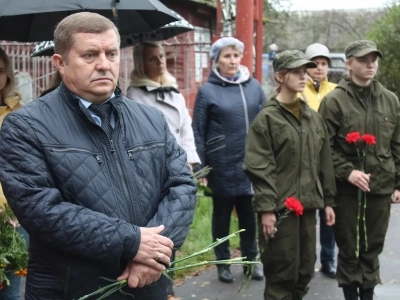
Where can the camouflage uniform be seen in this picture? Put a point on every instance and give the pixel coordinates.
(286, 156)
(374, 110)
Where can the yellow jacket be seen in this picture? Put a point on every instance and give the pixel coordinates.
(11, 103)
(312, 97)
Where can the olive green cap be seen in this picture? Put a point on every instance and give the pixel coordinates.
(291, 59)
(361, 48)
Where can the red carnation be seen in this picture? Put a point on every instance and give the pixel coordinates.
(353, 137)
(295, 205)
(369, 139)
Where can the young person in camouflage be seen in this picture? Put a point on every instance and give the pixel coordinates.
(360, 103)
(288, 154)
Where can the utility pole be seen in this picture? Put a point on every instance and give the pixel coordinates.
(245, 30)
(248, 16)
(259, 17)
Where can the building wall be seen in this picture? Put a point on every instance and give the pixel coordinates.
(188, 58)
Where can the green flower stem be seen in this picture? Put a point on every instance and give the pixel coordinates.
(364, 205)
(202, 172)
(360, 194)
(365, 223)
(112, 286)
(362, 202)
(209, 247)
(118, 285)
(234, 261)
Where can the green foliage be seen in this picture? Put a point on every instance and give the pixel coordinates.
(13, 249)
(276, 16)
(386, 34)
(200, 235)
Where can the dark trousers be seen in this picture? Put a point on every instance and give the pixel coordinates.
(326, 239)
(289, 257)
(362, 270)
(221, 218)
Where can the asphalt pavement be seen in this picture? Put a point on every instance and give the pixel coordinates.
(206, 286)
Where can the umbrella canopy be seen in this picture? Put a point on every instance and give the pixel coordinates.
(46, 48)
(168, 31)
(35, 20)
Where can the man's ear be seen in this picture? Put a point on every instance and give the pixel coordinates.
(59, 63)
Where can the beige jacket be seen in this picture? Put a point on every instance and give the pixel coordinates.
(11, 103)
(173, 106)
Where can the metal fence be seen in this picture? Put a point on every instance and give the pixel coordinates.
(187, 60)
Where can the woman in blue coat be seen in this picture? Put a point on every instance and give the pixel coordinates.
(224, 109)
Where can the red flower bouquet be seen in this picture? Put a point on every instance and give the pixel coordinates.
(292, 205)
(361, 142)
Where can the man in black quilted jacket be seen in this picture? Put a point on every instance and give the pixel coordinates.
(96, 179)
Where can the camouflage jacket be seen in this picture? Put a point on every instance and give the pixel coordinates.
(287, 157)
(373, 110)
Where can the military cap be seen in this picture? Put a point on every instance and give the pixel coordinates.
(361, 48)
(291, 59)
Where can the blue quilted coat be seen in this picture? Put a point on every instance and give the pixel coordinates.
(222, 115)
(82, 198)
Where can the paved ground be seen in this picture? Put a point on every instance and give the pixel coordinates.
(207, 287)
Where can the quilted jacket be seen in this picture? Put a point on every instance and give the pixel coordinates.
(82, 197)
(222, 115)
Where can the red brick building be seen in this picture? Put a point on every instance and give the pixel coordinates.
(187, 55)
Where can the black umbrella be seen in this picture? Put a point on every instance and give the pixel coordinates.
(168, 31)
(46, 48)
(35, 20)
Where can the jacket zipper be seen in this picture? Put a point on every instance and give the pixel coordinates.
(369, 103)
(96, 156)
(246, 117)
(300, 130)
(301, 157)
(139, 148)
(122, 180)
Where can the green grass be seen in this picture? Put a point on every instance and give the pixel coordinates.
(200, 236)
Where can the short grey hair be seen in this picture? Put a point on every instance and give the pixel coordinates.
(83, 22)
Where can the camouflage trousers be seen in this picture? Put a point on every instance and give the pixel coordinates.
(289, 257)
(363, 270)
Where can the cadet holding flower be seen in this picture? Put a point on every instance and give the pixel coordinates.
(361, 109)
(288, 156)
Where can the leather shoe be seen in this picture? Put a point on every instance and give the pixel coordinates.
(224, 274)
(329, 270)
(257, 272)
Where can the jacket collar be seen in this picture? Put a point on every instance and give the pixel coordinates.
(305, 109)
(68, 96)
(12, 101)
(216, 78)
